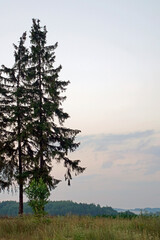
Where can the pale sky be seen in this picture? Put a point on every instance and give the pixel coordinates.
(110, 52)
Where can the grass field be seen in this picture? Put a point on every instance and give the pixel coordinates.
(79, 228)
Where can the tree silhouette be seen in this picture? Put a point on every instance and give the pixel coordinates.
(32, 119)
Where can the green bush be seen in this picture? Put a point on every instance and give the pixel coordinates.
(38, 194)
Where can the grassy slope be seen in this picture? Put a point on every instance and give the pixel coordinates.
(79, 228)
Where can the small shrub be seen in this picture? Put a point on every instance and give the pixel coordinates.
(38, 194)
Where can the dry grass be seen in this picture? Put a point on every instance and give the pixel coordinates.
(79, 228)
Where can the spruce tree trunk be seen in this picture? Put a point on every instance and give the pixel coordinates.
(40, 117)
(20, 199)
(20, 171)
(19, 151)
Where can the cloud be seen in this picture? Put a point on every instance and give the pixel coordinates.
(104, 141)
(132, 156)
(107, 164)
(151, 159)
(153, 150)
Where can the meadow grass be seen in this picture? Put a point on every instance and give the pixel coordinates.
(79, 228)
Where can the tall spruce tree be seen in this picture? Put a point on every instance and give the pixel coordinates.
(32, 134)
(14, 119)
(52, 140)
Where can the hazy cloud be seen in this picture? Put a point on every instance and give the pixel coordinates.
(132, 152)
(107, 164)
(153, 150)
(102, 142)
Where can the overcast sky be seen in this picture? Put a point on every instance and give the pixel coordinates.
(110, 52)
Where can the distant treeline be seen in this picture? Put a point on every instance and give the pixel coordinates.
(61, 208)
